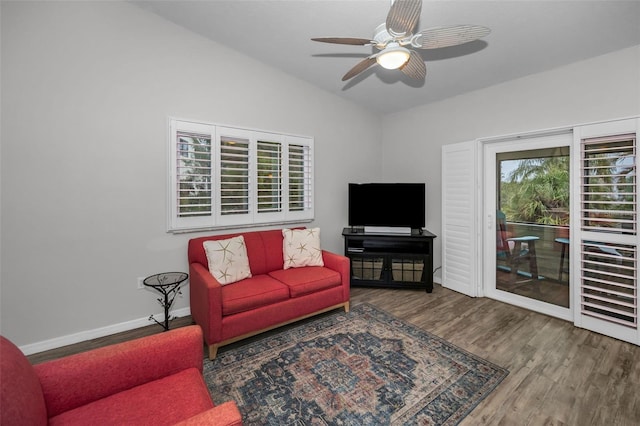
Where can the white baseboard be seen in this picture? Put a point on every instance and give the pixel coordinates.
(70, 339)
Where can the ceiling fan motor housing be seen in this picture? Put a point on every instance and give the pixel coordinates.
(381, 36)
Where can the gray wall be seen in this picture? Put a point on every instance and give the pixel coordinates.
(601, 88)
(86, 91)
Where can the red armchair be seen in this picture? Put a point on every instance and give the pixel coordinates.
(154, 380)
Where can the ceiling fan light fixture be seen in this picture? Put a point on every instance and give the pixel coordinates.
(393, 57)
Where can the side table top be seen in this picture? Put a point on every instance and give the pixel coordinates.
(165, 279)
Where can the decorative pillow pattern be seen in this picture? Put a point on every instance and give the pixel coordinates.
(228, 260)
(301, 247)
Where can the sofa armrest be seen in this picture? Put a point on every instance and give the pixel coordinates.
(226, 414)
(340, 264)
(205, 298)
(77, 380)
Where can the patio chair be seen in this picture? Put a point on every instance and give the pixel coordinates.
(515, 252)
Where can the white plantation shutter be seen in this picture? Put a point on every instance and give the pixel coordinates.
(193, 174)
(607, 263)
(191, 178)
(234, 176)
(299, 178)
(459, 212)
(609, 184)
(609, 282)
(269, 177)
(298, 184)
(226, 176)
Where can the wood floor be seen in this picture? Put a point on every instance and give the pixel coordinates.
(558, 374)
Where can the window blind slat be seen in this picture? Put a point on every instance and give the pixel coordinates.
(602, 308)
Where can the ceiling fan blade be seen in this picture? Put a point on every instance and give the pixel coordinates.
(415, 67)
(345, 40)
(360, 66)
(435, 38)
(403, 17)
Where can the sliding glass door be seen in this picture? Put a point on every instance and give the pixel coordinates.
(554, 228)
(527, 206)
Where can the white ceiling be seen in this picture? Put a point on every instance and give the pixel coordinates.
(527, 37)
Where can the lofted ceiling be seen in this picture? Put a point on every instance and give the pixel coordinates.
(527, 37)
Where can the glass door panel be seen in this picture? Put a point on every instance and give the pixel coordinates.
(532, 224)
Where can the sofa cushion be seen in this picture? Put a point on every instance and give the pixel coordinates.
(228, 261)
(21, 397)
(301, 247)
(309, 279)
(272, 255)
(252, 293)
(148, 404)
(264, 249)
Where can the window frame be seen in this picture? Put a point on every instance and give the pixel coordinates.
(253, 217)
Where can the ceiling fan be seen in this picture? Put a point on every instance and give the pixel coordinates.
(391, 37)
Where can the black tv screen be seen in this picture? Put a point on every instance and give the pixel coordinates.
(387, 204)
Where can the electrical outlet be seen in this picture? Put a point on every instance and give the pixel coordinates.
(140, 284)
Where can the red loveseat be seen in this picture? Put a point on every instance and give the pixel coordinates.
(270, 298)
(154, 380)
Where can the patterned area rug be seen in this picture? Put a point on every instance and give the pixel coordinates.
(361, 368)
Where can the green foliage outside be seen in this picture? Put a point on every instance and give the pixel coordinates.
(537, 191)
(194, 168)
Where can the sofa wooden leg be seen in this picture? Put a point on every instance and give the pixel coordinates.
(346, 307)
(213, 352)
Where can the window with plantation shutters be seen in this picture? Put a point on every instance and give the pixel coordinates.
(223, 177)
(608, 230)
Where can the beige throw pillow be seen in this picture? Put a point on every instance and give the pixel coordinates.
(228, 261)
(301, 247)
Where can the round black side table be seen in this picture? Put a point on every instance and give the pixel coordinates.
(168, 284)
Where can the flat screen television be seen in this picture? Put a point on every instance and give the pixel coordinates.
(387, 205)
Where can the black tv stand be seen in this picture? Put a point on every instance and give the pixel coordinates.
(390, 260)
